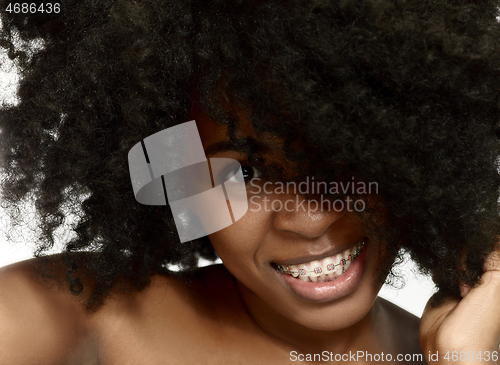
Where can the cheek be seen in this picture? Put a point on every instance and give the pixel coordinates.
(238, 245)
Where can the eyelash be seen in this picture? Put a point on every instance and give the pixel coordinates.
(254, 169)
(246, 167)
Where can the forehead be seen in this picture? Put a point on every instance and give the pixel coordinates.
(210, 132)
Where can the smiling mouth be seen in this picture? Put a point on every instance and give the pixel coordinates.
(326, 269)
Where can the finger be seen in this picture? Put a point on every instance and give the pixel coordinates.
(491, 263)
(431, 321)
(472, 323)
(478, 312)
(464, 289)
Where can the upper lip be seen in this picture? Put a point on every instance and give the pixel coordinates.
(307, 258)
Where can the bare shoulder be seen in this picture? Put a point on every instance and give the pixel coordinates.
(205, 293)
(403, 330)
(174, 320)
(42, 323)
(38, 323)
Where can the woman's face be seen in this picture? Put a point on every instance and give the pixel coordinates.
(280, 228)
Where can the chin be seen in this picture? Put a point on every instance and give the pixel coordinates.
(337, 316)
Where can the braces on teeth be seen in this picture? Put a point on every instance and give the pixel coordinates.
(318, 270)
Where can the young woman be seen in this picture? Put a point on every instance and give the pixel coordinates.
(398, 97)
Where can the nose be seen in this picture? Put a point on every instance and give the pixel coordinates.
(308, 218)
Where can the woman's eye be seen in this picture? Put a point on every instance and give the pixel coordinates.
(249, 173)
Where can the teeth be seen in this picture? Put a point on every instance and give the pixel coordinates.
(303, 272)
(329, 267)
(294, 270)
(324, 270)
(347, 258)
(316, 270)
(338, 264)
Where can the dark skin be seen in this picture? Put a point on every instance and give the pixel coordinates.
(354, 322)
(168, 323)
(232, 314)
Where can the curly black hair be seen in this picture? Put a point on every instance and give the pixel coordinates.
(401, 92)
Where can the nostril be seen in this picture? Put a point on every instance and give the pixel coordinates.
(306, 223)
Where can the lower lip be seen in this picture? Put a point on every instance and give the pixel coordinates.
(330, 290)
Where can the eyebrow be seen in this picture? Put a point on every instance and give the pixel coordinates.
(247, 146)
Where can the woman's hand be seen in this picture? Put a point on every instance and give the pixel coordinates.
(466, 331)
